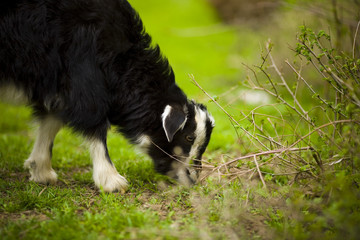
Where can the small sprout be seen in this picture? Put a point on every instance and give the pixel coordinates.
(215, 97)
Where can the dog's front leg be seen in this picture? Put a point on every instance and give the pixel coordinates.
(105, 174)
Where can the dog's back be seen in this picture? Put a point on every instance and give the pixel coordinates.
(63, 56)
(46, 44)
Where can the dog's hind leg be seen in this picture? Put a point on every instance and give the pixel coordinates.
(105, 174)
(39, 162)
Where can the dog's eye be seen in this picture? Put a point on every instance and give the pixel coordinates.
(190, 138)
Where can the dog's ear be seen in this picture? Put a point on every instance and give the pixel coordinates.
(173, 119)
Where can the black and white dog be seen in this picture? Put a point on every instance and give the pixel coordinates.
(88, 64)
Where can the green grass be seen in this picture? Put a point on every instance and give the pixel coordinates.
(152, 207)
(223, 206)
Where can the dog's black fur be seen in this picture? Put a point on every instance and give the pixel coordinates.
(89, 64)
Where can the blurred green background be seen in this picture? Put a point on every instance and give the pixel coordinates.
(214, 39)
(217, 41)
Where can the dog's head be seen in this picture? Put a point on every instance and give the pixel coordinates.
(177, 149)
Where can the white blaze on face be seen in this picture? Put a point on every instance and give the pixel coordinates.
(180, 168)
(200, 132)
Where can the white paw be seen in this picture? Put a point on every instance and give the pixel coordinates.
(110, 181)
(40, 171)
